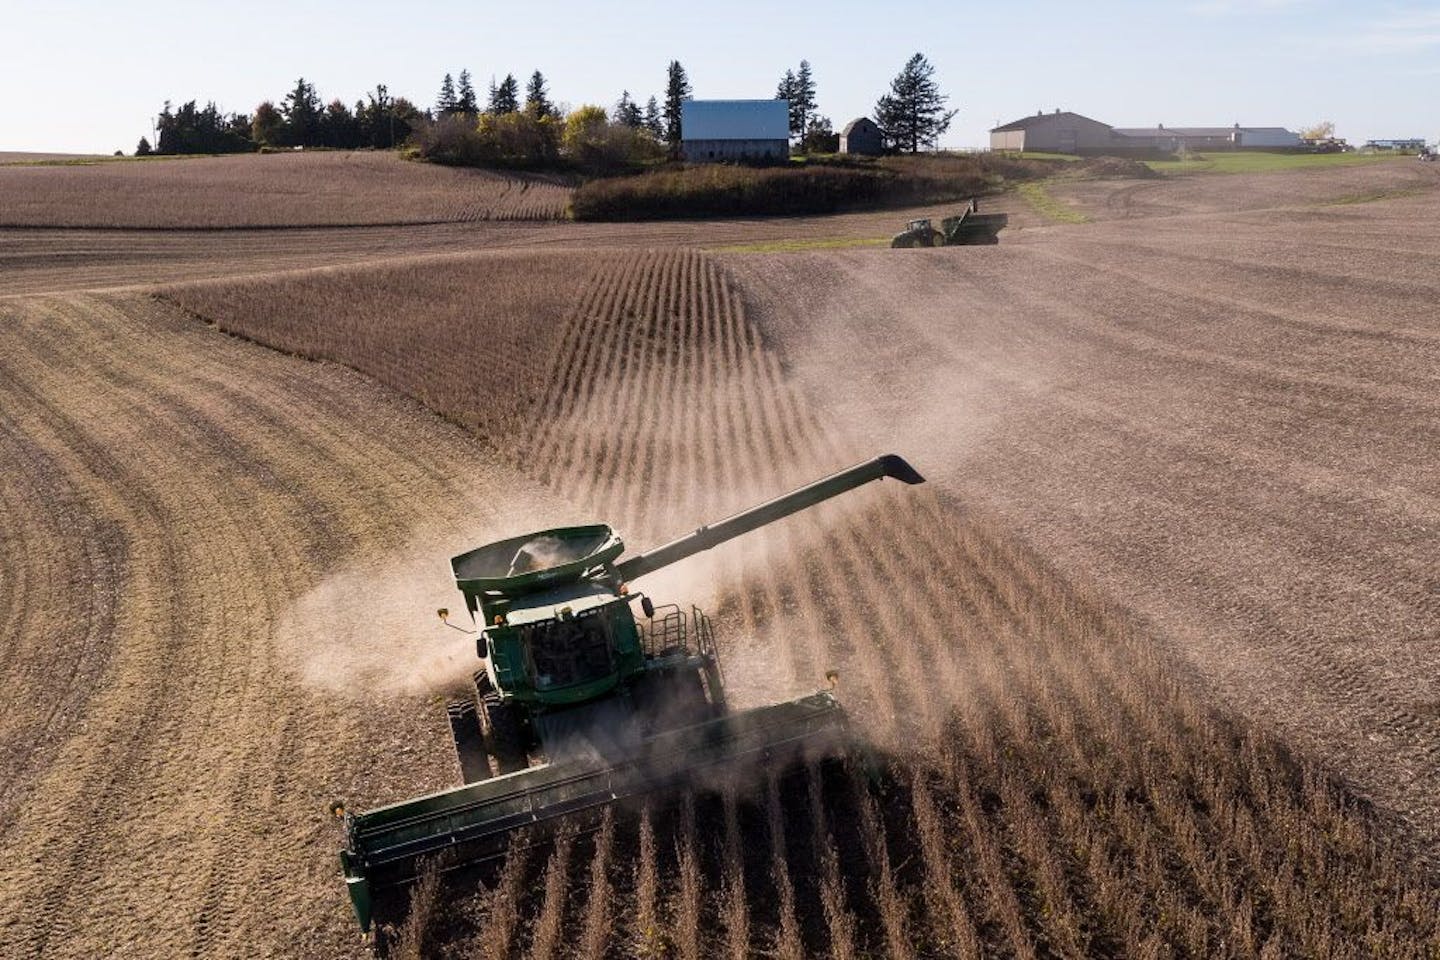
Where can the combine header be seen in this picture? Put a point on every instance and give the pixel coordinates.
(580, 704)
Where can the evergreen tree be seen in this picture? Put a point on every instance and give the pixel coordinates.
(447, 102)
(677, 91)
(193, 129)
(506, 97)
(627, 111)
(142, 149)
(913, 113)
(338, 127)
(465, 100)
(301, 110)
(802, 100)
(537, 98)
(374, 117)
(385, 121)
(652, 121)
(786, 91)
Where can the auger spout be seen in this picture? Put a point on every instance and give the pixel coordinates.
(889, 465)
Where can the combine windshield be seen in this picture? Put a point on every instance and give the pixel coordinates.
(570, 651)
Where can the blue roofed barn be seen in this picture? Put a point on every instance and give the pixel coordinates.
(712, 130)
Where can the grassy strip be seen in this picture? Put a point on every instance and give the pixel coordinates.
(1244, 162)
(1041, 155)
(1041, 200)
(101, 161)
(796, 246)
(1371, 196)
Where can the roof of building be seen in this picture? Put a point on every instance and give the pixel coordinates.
(1026, 123)
(735, 120)
(1176, 131)
(850, 127)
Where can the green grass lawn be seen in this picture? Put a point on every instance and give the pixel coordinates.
(1245, 162)
(793, 246)
(1038, 155)
(1045, 204)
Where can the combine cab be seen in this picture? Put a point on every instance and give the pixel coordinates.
(971, 227)
(581, 703)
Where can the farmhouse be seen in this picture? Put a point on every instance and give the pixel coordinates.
(1066, 132)
(713, 130)
(862, 136)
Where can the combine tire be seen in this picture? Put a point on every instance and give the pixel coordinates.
(469, 740)
(690, 692)
(507, 733)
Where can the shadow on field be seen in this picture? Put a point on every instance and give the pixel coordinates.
(791, 849)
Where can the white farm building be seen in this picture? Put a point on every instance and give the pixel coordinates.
(1066, 132)
(712, 130)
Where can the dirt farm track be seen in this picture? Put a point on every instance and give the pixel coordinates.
(1148, 665)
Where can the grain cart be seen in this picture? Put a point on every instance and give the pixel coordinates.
(581, 703)
(969, 228)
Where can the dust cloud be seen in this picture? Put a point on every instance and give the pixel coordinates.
(370, 629)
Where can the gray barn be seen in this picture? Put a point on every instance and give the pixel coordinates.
(1058, 132)
(861, 135)
(712, 130)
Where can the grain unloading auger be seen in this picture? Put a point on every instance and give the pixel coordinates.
(580, 704)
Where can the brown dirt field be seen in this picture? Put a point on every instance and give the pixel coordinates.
(270, 190)
(1172, 195)
(48, 261)
(1059, 778)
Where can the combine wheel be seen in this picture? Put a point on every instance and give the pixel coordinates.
(469, 740)
(691, 692)
(667, 699)
(507, 733)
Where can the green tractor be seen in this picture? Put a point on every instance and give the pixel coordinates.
(581, 703)
(971, 227)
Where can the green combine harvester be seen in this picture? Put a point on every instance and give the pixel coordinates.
(581, 704)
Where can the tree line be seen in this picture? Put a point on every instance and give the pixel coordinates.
(527, 129)
(301, 119)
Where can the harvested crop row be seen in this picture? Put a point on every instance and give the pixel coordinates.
(470, 335)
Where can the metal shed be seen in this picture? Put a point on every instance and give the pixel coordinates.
(713, 130)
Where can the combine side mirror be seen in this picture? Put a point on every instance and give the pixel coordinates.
(647, 608)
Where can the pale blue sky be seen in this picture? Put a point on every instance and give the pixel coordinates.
(87, 75)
